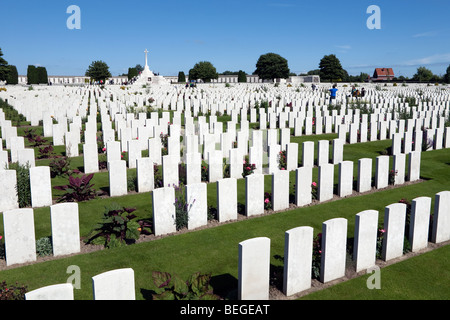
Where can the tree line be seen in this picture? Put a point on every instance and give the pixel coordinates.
(268, 67)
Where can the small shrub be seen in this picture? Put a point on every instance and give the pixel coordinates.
(132, 182)
(60, 167)
(314, 191)
(247, 167)
(118, 227)
(46, 152)
(182, 207)
(267, 201)
(282, 162)
(205, 172)
(12, 292)
(44, 247)
(2, 248)
(23, 184)
(392, 175)
(78, 189)
(317, 256)
(172, 287)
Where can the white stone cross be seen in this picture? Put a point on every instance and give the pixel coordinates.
(146, 57)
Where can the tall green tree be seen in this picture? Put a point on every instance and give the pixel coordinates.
(98, 71)
(447, 75)
(423, 75)
(242, 76)
(139, 68)
(13, 75)
(203, 70)
(331, 69)
(32, 75)
(132, 72)
(181, 77)
(3, 67)
(272, 66)
(42, 76)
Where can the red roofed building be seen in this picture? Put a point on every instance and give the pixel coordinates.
(383, 74)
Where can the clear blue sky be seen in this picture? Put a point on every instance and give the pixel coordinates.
(230, 34)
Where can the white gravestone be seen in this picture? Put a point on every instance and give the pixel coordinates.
(163, 211)
(20, 241)
(196, 200)
(227, 199)
(40, 187)
(298, 259)
(394, 226)
(334, 242)
(254, 194)
(63, 291)
(365, 241)
(419, 223)
(254, 267)
(114, 285)
(65, 228)
(441, 218)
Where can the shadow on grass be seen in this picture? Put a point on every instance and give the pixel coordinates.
(224, 285)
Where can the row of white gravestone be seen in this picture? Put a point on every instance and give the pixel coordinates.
(118, 284)
(164, 198)
(254, 254)
(40, 188)
(19, 232)
(429, 139)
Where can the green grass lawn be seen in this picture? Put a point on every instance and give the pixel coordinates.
(215, 250)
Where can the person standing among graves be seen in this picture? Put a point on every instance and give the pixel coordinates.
(363, 92)
(333, 93)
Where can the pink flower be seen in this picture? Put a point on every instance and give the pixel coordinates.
(267, 200)
(283, 169)
(382, 230)
(314, 184)
(104, 149)
(1, 237)
(248, 168)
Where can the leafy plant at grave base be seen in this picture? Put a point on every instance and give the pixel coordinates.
(102, 161)
(380, 236)
(12, 292)
(182, 207)
(172, 287)
(124, 156)
(226, 168)
(314, 191)
(44, 247)
(247, 167)
(316, 256)
(23, 184)
(212, 213)
(61, 167)
(182, 173)
(392, 175)
(79, 189)
(157, 176)
(282, 163)
(35, 139)
(132, 182)
(267, 201)
(205, 171)
(46, 152)
(118, 227)
(2, 248)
